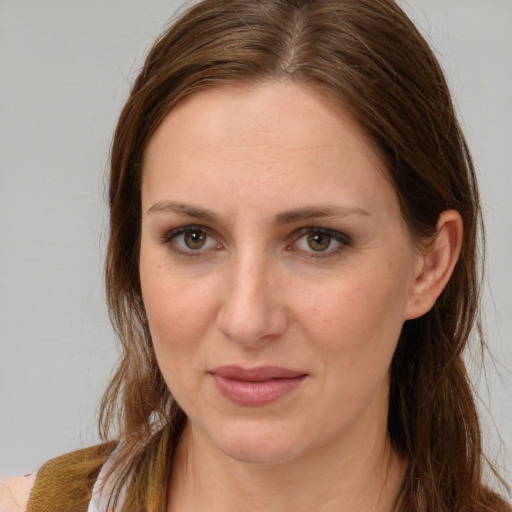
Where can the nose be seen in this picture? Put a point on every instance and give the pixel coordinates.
(252, 311)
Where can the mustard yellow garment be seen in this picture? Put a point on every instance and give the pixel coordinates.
(65, 484)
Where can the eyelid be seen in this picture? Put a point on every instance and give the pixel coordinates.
(337, 235)
(171, 235)
(342, 238)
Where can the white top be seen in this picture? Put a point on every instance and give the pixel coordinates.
(102, 490)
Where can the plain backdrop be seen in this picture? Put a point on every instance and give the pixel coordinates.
(65, 71)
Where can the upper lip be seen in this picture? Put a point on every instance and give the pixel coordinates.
(258, 374)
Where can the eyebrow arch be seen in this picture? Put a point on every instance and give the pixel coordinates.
(184, 209)
(317, 212)
(287, 217)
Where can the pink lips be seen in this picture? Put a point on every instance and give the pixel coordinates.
(256, 386)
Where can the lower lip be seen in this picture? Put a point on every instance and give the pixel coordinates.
(252, 394)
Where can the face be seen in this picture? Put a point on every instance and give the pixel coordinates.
(276, 271)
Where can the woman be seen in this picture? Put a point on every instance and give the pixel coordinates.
(292, 255)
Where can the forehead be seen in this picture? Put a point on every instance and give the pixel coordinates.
(282, 114)
(278, 138)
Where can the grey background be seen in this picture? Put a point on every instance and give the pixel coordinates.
(65, 70)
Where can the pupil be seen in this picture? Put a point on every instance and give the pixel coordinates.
(195, 240)
(319, 242)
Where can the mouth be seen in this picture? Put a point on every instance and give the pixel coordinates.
(256, 386)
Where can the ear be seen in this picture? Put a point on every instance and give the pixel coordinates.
(435, 265)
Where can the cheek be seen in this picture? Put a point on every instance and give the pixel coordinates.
(177, 317)
(356, 323)
(356, 309)
(179, 313)
(176, 334)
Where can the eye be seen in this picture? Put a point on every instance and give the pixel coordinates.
(190, 240)
(320, 241)
(194, 239)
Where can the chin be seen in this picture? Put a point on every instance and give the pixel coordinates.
(262, 446)
(257, 454)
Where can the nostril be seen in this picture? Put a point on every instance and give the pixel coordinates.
(252, 324)
(251, 311)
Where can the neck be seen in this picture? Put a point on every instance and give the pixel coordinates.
(361, 474)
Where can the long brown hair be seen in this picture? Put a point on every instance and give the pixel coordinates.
(368, 56)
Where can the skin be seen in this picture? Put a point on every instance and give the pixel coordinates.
(15, 493)
(257, 292)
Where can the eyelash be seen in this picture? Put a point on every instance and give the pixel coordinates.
(336, 236)
(175, 233)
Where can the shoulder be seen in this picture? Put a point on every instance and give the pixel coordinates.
(66, 482)
(63, 483)
(15, 493)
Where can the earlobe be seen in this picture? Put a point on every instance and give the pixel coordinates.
(436, 264)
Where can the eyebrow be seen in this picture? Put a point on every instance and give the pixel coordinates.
(287, 217)
(184, 209)
(317, 212)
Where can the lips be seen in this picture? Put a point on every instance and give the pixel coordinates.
(256, 386)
